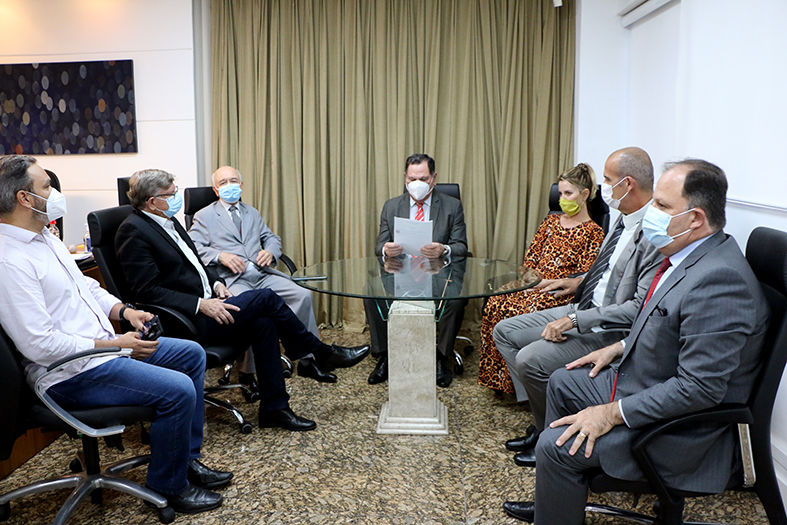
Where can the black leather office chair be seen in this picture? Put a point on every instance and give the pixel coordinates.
(21, 410)
(103, 226)
(55, 182)
(597, 208)
(123, 188)
(452, 189)
(767, 254)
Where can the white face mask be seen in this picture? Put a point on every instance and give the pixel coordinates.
(55, 205)
(606, 194)
(654, 226)
(418, 190)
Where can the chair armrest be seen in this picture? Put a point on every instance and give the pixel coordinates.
(63, 413)
(173, 319)
(731, 413)
(288, 263)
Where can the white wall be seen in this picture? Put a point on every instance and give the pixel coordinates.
(700, 78)
(158, 36)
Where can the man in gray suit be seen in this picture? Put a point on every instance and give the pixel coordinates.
(605, 303)
(449, 239)
(233, 238)
(695, 343)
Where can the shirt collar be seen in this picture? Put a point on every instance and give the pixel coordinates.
(161, 221)
(631, 220)
(681, 256)
(20, 234)
(227, 205)
(427, 202)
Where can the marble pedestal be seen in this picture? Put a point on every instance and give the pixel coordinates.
(412, 406)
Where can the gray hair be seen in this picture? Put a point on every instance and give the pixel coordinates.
(213, 176)
(145, 184)
(13, 179)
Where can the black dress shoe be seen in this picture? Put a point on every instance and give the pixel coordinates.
(526, 458)
(250, 381)
(192, 500)
(308, 368)
(342, 357)
(286, 419)
(444, 375)
(526, 442)
(380, 372)
(521, 510)
(206, 478)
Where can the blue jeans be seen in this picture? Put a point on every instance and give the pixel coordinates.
(171, 380)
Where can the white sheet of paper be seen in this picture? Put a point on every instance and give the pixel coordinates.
(412, 235)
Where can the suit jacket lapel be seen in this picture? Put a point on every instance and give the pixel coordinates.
(403, 208)
(672, 280)
(435, 215)
(224, 219)
(158, 229)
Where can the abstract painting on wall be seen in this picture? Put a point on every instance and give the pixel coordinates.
(67, 108)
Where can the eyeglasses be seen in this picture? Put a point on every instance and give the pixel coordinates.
(167, 195)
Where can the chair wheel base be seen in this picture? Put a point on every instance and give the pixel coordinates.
(252, 397)
(287, 374)
(5, 512)
(166, 515)
(468, 349)
(245, 428)
(75, 466)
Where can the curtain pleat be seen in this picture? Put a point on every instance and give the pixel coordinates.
(319, 102)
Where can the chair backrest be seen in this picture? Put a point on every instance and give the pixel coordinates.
(448, 188)
(123, 187)
(55, 182)
(597, 208)
(766, 252)
(103, 226)
(13, 391)
(194, 199)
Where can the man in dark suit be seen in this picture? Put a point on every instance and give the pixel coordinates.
(162, 266)
(695, 343)
(449, 239)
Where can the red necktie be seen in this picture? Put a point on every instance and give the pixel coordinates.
(665, 264)
(419, 215)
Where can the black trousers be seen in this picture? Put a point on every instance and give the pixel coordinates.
(264, 319)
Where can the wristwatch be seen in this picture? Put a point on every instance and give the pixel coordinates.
(123, 310)
(573, 318)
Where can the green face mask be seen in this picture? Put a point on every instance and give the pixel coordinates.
(570, 208)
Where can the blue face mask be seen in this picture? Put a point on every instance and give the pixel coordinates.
(230, 193)
(175, 204)
(655, 224)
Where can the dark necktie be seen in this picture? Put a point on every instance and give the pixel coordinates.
(599, 267)
(665, 264)
(235, 214)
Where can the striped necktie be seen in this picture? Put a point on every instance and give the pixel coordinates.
(235, 214)
(600, 266)
(419, 215)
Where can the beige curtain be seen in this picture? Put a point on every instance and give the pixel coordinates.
(319, 102)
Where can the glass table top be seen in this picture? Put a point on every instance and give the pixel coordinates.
(416, 278)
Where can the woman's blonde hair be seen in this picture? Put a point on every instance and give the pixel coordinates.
(581, 176)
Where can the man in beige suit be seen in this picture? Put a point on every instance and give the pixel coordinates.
(233, 238)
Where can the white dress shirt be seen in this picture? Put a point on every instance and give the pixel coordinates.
(48, 308)
(630, 223)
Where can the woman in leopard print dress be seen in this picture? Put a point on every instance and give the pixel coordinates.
(564, 244)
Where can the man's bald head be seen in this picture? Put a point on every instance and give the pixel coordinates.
(225, 175)
(635, 163)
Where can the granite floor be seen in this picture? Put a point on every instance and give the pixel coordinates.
(344, 472)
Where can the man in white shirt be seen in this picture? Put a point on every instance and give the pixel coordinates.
(233, 239)
(50, 311)
(605, 303)
(695, 344)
